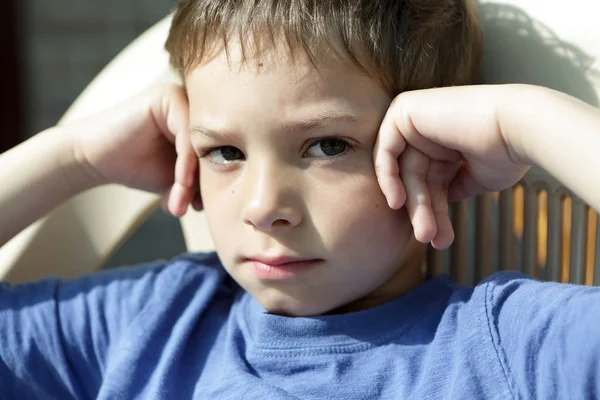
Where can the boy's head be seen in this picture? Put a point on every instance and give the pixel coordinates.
(286, 98)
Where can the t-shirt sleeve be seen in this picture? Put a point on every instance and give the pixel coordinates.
(547, 336)
(55, 335)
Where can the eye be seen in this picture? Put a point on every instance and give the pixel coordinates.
(328, 148)
(224, 154)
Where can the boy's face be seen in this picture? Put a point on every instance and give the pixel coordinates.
(289, 186)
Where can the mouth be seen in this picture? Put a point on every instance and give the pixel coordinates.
(281, 267)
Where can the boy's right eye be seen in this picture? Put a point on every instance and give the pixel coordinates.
(224, 154)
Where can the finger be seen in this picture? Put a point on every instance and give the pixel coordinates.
(169, 110)
(388, 147)
(401, 114)
(197, 202)
(186, 166)
(439, 176)
(171, 114)
(460, 118)
(413, 172)
(426, 146)
(180, 199)
(464, 186)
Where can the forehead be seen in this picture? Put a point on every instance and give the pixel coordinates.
(275, 87)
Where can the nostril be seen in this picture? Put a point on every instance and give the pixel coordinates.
(281, 222)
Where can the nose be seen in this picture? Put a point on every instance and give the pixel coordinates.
(271, 202)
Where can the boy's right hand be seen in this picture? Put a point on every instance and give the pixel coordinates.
(441, 145)
(142, 143)
(448, 144)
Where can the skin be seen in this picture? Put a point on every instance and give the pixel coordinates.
(273, 186)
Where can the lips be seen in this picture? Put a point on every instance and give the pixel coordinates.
(282, 261)
(281, 268)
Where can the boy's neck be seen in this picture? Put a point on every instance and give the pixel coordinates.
(409, 275)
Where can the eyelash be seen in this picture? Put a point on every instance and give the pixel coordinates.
(204, 153)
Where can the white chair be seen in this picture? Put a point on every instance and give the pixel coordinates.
(538, 226)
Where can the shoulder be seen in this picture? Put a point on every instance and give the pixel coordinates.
(122, 292)
(505, 293)
(516, 293)
(117, 296)
(515, 303)
(536, 332)
(147, 278)
(536, 326)
(185, 276)
(68, 331)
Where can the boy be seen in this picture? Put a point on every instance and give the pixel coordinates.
(332, 304)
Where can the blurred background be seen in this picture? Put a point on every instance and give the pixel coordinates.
(50, 50)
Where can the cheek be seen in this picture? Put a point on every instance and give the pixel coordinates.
(218, 193)
(219, 210)
(355, 219)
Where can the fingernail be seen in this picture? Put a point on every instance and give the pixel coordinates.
(174, 199)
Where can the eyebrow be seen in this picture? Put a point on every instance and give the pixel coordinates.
(318, 122)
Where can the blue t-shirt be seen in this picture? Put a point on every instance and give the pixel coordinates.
(184, 329)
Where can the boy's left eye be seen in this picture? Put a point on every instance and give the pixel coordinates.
(327, 148)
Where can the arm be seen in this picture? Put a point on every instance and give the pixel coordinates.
(36, 176)
(141, 143)
(556, 132)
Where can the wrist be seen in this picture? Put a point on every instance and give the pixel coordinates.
(79, 175)
(517, 105)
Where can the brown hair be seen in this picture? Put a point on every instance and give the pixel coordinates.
(406, 44)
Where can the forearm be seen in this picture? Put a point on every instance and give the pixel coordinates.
(558, 133)
(35, 177)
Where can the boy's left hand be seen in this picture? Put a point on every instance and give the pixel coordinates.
(142, 143)
(441, 145)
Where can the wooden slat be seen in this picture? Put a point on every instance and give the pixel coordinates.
(529, 241)
(541, 248)
(447, 254)
(518, 227)
(578, 230)
(471, 243)
(434, 262)
(483, 237)
(591, 249)
(506, 230)
(495, 233)
(554, 238)
(565, 237)
(597, 253)
(458, 253)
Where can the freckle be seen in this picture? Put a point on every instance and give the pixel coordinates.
(260, 64)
